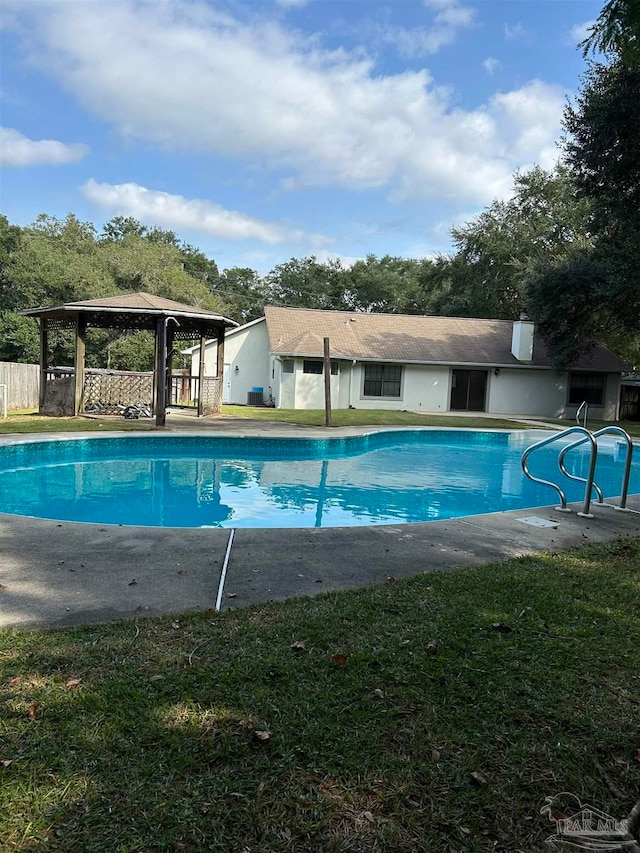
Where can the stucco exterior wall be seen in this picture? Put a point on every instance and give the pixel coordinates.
(524, 391)
(248, 351)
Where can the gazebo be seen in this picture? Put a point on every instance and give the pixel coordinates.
(72, 391)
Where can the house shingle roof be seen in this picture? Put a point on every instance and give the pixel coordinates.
(412, 338)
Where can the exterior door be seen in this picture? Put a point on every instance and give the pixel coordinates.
(226, 384)
(468, 390)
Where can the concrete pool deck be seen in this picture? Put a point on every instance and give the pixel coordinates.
(55, 574)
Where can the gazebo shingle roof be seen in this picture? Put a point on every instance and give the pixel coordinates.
(133, 310)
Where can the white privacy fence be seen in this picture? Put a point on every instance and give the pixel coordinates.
(21, 383)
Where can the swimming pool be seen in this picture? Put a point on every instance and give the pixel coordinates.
(203, 481)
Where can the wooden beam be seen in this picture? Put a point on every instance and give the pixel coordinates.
(327, 383)
(44, 361)
(203, 341)
(78, 362)
(160, 376)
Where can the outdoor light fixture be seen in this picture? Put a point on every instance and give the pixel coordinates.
(497, 371)
(237, 369)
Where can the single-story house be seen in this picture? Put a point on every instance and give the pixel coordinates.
(417, 363)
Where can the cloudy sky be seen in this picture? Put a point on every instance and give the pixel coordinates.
(272, 129)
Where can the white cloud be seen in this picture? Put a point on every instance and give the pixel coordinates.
(451, 13)
(491, 65)
(450, 17)
(176, 212)
(17, 150)
(515, 32)
(184, 78)
(579, 32)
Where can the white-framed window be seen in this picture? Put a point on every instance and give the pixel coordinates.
(382, 380)
(587, 386)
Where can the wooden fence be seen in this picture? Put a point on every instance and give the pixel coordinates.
(22, 381)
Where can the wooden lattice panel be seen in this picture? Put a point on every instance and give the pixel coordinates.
(107, 393)
(211, 395)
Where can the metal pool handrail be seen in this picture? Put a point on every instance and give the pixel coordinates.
(608, 430)
(587, 436)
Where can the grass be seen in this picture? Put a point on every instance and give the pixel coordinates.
(632, 427)
(32, 422)
(144, 738)
(369, 417)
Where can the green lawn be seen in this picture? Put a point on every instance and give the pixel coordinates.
(462, 700)
(368, 417)
(26, 422)
(632, 427)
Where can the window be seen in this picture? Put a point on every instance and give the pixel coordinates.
(316, 367)
(287, 365)
(382, 380)
(587, 386)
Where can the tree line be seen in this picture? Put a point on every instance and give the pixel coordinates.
(564, 248)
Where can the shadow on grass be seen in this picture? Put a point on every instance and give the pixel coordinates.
(145, 738)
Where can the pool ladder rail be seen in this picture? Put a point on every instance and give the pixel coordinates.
(590, 485)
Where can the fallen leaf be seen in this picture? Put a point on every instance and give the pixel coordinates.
(637, 755)
(182, 572)
(391, 579)
(435, 755)
(132, 582)
(466, 830)
(6, 762)
(339, 658)
(502, 627)
(14, 680)
(156, 677)
(478, 778)
(368, 816)
(378, 693)
(432, 646)
(232, 595)
(73, 682)
(261, 734)
(2, 587)
(298, 645)
(33, 710)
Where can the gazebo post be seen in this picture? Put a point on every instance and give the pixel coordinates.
(220, 364)
(201, 365)
(160, 376)
(78, 362)
(44, 359)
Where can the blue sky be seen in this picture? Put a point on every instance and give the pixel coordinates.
(272, 129)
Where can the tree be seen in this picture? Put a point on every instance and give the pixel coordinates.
(243, 293)
(305, 283)
(616, 33)
(388, 285)
(602, 152)
(485, 278)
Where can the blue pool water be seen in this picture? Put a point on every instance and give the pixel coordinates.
(383, 478)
